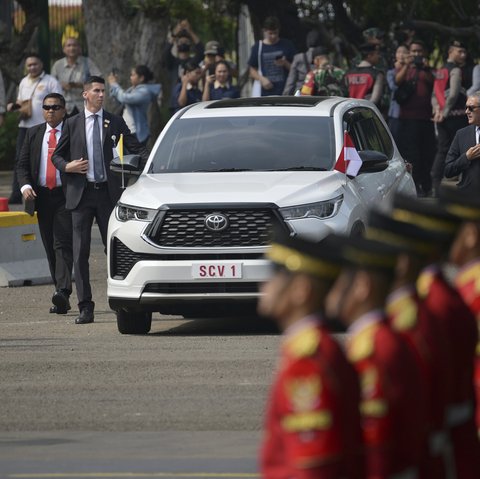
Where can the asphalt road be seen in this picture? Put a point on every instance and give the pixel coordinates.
(77, 401)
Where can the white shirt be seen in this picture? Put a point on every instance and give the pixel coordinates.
(42, 171)
(477, 134)
(89, 138)
(39, 87)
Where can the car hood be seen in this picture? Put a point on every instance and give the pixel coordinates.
(281, 188)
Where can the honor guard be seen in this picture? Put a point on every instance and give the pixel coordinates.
(465, 253)
(392, 404)
(424, 335)
(312, 427)
(447, 306)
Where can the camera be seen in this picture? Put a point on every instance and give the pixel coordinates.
(418, 61)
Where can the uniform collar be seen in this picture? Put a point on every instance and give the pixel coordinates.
(367, 319)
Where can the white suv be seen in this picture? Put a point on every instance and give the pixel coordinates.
(189, 235)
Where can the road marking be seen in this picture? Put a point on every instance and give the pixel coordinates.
(134, 474)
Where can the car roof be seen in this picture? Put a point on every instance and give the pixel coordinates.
(270, 106)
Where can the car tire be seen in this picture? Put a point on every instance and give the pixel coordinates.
(134, 322)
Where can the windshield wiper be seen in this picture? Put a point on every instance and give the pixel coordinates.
(301, 168)
(222, 170)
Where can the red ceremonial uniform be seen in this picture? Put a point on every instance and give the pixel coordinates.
(468, 284)
(392, 403)
(313, 420)
(429, 345)
(447, 307)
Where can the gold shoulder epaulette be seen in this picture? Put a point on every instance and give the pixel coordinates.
(361, 346)
(424, 283)
(469, 275)
(403, 313)
(304, 343)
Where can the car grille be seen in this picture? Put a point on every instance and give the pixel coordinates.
(123, 259)
(201, 288)
(178, 228)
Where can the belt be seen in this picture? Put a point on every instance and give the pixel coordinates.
(44, 189)
(91, 185)
(410, 473)
(460, 413)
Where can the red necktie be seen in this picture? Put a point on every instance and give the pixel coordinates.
(51, 179)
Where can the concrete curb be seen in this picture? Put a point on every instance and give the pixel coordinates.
(22, 257)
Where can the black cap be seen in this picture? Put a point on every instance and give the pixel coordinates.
(362, 253)
(424, 214)
(408, 237)
(457, 43)
(465, 206)
(319, 51)
(299, 255)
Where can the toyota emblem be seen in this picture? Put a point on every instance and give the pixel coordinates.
(216, 222)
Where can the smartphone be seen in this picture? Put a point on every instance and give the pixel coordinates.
(279, 57)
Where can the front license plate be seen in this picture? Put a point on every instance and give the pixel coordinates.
(216, 270)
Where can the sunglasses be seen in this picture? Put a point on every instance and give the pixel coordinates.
(52, 107)
(471, 108)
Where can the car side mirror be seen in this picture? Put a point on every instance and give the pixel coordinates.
(372, 161)
(129, 167)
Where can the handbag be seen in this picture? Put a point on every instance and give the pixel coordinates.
(257, 86)
(25, 109)
(26, 106)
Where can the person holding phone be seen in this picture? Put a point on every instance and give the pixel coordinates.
(218, 86)
(270, 59)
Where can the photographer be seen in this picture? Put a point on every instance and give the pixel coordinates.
(183, 45)
(416, 130)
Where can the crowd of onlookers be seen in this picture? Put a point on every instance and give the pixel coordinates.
(424, 107)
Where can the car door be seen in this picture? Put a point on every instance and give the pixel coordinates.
(368, 133)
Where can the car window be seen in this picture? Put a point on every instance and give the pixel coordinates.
(367, 131)
(246, 143)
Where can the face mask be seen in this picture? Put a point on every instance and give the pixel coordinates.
(183, 48)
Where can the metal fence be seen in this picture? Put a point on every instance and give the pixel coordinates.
(65, 19)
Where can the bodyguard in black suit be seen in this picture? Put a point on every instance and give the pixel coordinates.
(84, 154)
(463, 157)
(42, 189)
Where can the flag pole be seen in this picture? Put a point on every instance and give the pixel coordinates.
(120, 154)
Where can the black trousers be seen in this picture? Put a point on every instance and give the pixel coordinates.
(446, 132)
(16, 193)
(417, 144)
(55, 224)
(95, 204)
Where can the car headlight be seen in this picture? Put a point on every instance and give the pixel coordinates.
(321, 210)
(132, 213)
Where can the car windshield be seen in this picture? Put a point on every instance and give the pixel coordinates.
(246, 144)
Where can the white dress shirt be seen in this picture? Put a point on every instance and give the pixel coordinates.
(477, 134)
(89, 138)
(42, 171)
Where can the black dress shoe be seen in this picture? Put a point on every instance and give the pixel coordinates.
(61, 303)
(86, 316)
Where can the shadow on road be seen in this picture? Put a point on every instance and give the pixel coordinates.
(225, 326)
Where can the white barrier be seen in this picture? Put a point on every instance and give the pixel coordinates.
(23, 260)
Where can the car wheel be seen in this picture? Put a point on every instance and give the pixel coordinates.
(134, 322)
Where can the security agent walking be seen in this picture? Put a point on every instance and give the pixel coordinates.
(84, 154)
(42, 187)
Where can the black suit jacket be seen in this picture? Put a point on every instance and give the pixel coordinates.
(457, 163)
(28, 165)
(73, 146)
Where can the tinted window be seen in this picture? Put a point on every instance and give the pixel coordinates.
(368, 132)
(246, 143)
